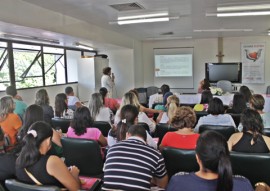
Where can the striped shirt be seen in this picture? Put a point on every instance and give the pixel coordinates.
(131, 164)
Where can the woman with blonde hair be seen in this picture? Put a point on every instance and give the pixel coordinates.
(173, 103)
(9, 121)
(131, 98)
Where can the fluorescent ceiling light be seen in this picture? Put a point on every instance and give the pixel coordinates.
(30, 39)
(169, 38)
(239, 14)
(146, 15)
(243, 7)
(222, 30)
(79, 45)
(149, 20)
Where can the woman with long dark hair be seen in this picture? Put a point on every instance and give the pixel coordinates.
(215, 173)
(33, 166)
(251, 139)
(42, 99)
(239, 104)
(61, 107)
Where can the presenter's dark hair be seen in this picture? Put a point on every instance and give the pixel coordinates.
(68, 90)
(212, 150)
(11, 90)
(81, 120)
(164, 89)
(252, 121)
(207, 96)
(216, 106)
(32, 114)
(30, 150)
(107, 70)
(245, 91)
(128, 114)
(137, 130)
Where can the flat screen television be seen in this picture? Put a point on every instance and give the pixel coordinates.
(215, 72)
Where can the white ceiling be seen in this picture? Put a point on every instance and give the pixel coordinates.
(191, 13)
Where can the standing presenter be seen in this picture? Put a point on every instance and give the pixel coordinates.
(107, 80)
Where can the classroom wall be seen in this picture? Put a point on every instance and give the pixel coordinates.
(205, 50)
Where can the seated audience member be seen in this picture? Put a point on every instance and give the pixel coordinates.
(128, 116)
(131, 98)
(109, 102)
(257, 102)
(61, 107)
(20, 106)
(245, 91)
(42, 99)
(216, 115)
(73, 101)
(206, 97)
(251, 140)
(184, 138)
(203, 85)
(82, 127)
(142, 108)
(173, 103)
(33, 114)
(165, 91)
(33, 166)
(97, 109)
(215, 173)
(9, 121)
(133, 165)
(238, 105)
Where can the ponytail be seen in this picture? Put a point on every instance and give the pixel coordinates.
(122, 129)
(171, 110)
(225, 181)
(29, 153)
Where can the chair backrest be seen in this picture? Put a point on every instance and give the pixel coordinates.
(83, 153)
(225, 85)
(226, 131)
(254, 166)
(15, 185)
(161, 130)
(266, 131)
(103, 126)
(268, 90)
(61, 123)
(142, 95)
(145, 125)
(178, 160)
(151, 90)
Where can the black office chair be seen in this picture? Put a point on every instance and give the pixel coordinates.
(142, 96)
(85, 154)
(61, 123)
(15, 185)
(254, 166)
(161, 130)
(179, 160)
(226, 131)
(266, 131)
(103, 126)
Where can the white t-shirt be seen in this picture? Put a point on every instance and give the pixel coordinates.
(105, 114)
(106, 81)
(72, 100)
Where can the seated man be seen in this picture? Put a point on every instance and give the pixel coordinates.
(20, 105)
(73, 101)
(133, 165)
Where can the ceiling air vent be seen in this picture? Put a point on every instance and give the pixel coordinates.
(127, 7)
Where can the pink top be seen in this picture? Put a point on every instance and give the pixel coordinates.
(91, 133)
(111, 103)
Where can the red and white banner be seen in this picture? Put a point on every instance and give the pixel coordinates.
(253, 60)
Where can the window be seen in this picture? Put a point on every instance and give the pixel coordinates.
(4, 67)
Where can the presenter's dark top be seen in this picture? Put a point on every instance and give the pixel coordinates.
(244, 144)
(39, 171)
(191, 182)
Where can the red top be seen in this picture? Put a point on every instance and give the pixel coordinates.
(111, 103)
(172, 139)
